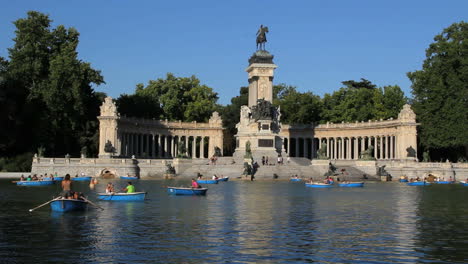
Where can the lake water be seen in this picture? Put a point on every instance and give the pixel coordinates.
(241, 222)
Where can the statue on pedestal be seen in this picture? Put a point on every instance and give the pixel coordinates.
(367, 154)
(322, 152)
(261, 37)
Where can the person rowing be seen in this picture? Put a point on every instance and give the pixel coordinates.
(66, 187)
(130, 188)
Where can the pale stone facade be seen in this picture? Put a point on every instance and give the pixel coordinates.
(149, 138)
(391, 139)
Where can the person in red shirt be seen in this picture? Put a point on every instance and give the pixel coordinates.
(195, 184)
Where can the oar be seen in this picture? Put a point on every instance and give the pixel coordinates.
(30, 210)
(95, 205)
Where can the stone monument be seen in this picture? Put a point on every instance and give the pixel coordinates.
(260, 120)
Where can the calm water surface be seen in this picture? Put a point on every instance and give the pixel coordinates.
(241, 222)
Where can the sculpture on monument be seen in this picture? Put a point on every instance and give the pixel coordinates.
(217, 152)
(322, 152)
(261, 37)
(382, 171)
(367, 154)
(410, 152)
(170, 169)
(108, 147)
(264, 110)
(248, 151)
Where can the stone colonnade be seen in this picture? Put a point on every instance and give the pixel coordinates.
(163, 145)
(149, 138)
(390, 139)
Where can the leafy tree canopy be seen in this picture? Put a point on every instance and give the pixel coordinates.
(361, 101)
(173, 98)
(440, 90)
(52, 89)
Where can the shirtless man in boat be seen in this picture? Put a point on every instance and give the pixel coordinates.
(66, 186)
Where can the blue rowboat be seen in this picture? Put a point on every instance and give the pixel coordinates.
(319, 185)
(420, 183)
(34, 183)
(84, 178)
(403, 180)
(223, 179)
(464, 183)
(136, 196)
(186, 191)
(208, 181)
(443, 182)
(67, 205)
(295, 179)
(55, 179)
(351, 184)
(129, 177)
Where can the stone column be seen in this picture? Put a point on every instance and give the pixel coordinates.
(186, 139)
(202, 147)
(159, 146)
(194, 147)
(335, 147)
(381, 146)
(391, 147)
(375, 147)
(172, 147)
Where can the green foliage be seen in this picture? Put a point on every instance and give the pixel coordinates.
(297, 107)
(48, 91)
(440, 91)
(361, 101)
(19, 163)
(173, 98)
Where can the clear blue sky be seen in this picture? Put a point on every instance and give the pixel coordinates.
(317, 44)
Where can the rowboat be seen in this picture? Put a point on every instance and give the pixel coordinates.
(34, 183)
(444, 182)
(136, 196)
(351, 184)
(208, 181)
(54, 179)
(67, 205)
(295, 179)
(186, 191)
(318, 185)
(403, 180)
(83, 178)
(464, 183)
(224, 179)
(418, 183)
(129, 177)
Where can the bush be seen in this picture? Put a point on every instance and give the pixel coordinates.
(20, 163)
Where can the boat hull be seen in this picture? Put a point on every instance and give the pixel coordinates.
(464, 183)
(137, 196)
(208, 181)
(295, 180)
(319, 185)
(128, 178)
(68, 205)
(186, 191)
(443, 182)
(55, 179)
(34, 183)
(225, 179)
(418, 183)
(403, 180)
(86, 178)
(352, 184)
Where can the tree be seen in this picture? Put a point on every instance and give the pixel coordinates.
(440, 91)
(173, 98)
(297, 107)
(361, 101)
(52, 88)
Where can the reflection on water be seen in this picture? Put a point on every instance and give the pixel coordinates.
(244, 222)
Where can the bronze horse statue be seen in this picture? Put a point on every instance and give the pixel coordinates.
(261, 37)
